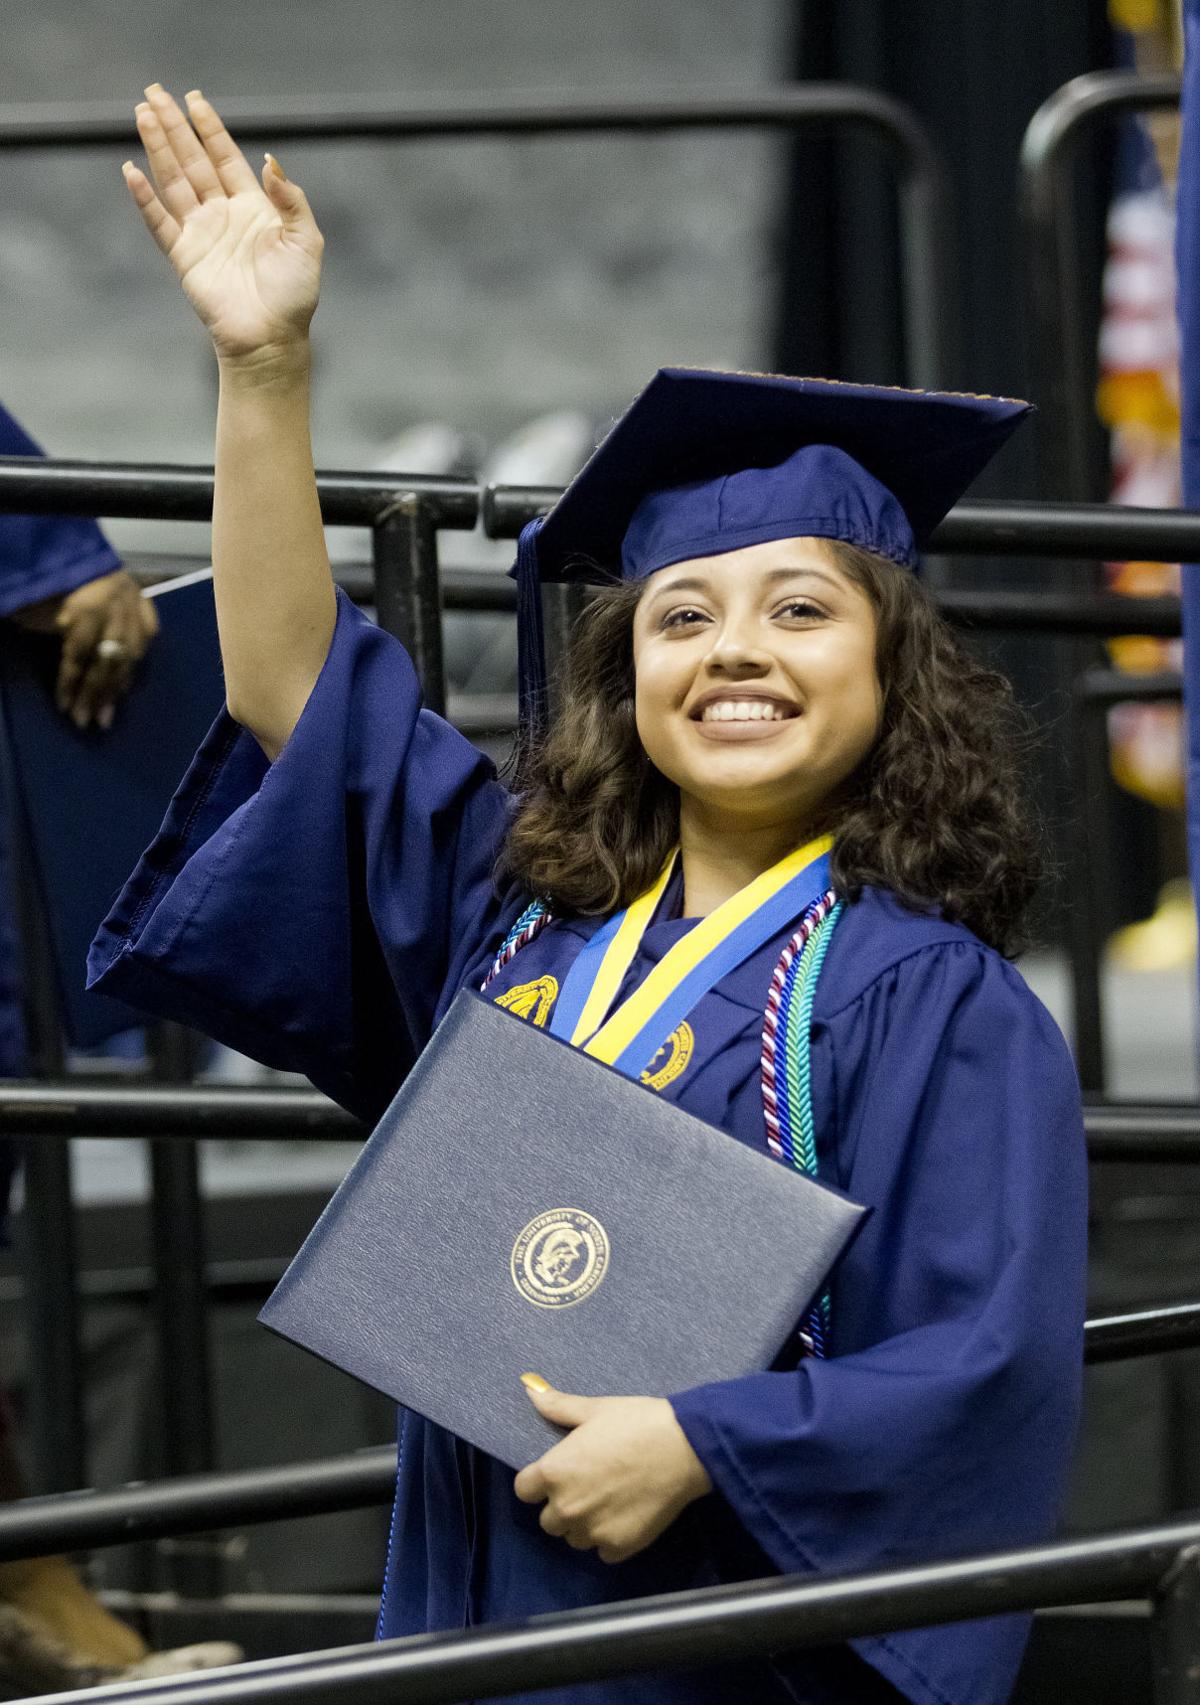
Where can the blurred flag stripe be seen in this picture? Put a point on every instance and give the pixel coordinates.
(1188, 263)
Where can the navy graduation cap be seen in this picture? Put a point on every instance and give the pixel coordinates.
(704, 462)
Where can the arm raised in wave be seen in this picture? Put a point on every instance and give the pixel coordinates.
(248, 255)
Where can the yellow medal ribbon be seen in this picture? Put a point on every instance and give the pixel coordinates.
(613, 1037)
(620, 955)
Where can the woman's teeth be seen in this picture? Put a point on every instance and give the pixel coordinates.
(743, 710)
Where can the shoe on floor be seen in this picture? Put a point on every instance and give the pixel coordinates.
(178, 1660)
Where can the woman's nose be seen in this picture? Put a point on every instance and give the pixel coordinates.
(736, 649)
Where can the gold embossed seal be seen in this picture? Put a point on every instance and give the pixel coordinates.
(560, 1258)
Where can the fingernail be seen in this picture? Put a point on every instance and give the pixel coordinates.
(153, 89)
(126, 167)
(104, 716)
(535, 1382)
(276, 167)
(193, 95)
(79, 718)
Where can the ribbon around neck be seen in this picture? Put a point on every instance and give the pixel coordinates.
(717, 945)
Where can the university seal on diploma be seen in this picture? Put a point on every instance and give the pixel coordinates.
(560, 1258)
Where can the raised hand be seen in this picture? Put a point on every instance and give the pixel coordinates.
(247, 254)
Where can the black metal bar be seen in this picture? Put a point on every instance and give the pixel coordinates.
(1088, 773)
(999, 528)
(1098, 688)
(33, 1527)
(178, 1253)
(686, 1630)
(1143, 1134)
(181, 492)
(1062, 358)
(1150, 1331)
(45, 1229)
(179, 1256)
(1116, 1131)
(381, 118)
(177, 492)
(196, 1503)
(152, 1110)
(1100, 614)
(45, 1236)
(187, 1429)
(1176, 1632)
(407, 593)
(923, 195)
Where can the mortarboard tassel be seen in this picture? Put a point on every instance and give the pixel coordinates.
(532, 689)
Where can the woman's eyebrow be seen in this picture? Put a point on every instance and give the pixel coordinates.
(685, 583)
(777, 574)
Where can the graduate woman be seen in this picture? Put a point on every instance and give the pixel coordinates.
(762, 705)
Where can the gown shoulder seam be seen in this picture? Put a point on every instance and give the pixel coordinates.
(956, 942)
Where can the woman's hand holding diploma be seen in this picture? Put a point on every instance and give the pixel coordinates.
(620, 1476)
(248, 255)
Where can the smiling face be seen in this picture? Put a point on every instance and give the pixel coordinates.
(756, 685)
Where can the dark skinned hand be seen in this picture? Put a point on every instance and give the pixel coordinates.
(106, 626)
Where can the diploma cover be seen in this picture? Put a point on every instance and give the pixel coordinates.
(522, 1207)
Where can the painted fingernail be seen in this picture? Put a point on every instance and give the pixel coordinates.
(193, 95)
(535, 1382)
(276, 167)
(104, 716)
(153, 89)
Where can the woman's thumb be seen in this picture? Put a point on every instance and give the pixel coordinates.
(288, 197)
(562, 1407)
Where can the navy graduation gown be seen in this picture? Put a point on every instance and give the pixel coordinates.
(321, 913)
(41, 556)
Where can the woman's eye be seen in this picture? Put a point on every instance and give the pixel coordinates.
(682, 618)
(799, 609)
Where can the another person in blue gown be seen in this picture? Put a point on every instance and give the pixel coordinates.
(59, 574)
(764, 672)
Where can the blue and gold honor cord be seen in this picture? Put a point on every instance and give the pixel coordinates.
(717, 945)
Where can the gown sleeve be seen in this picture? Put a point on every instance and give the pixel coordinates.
(45, 556)
(943, 1420)
(317, 912)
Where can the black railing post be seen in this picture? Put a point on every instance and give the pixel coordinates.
(45, 1228)
(407, 594)
(179, 1255)
(177, 1242)
(562, 605)
(1089, 753)
(1176, 1633)
(45, 1231)
(1062, 362)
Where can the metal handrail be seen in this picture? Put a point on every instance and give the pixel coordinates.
(1129, 1132)
(715, 1625)
(184, 492)
(1148, 1332)
(923, 185)
(195, 1503)
(1063, 361)
(198, 1503)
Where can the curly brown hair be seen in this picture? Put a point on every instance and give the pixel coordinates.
(935, 813)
